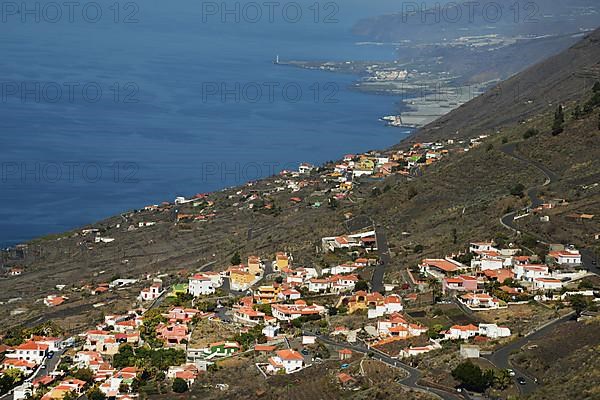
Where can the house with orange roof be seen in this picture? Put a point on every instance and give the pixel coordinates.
(289, 294)
(181, 314)
(282, 261)
(344, 379)
(547, 283)
(67, 386)
(54, 343)
(566, 257)
(151, 293)
(30, 351)
(438, 268)
(289, 312)
(173, 334)
(26, 367)
(397, 326)
(499, 275)
(54, 300)
(101, 341)
(187, 372)
(88, 359)
(287, 360)
(200, 285)
(248, 316)
(240, 279)
(463, 332)
(480, 301)
(255, 265)
(267, 294)
(461, 283)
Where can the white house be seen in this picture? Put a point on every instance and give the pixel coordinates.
(481, 246)
(286, 360)
(529, 272)
(480, 300)
(493, 331)
(30, 351)
(317, 285)
(566, 257)
(151, 293)
(200, 285)
(463, 332)
(289, 312)
(546, 283)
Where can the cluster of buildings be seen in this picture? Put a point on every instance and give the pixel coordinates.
(515, 274)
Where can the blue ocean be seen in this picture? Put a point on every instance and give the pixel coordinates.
(109, 106)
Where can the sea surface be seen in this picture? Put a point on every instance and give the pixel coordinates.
(110, 106)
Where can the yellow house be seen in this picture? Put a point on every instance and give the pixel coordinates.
(241, 280)
(346, 186)
(266, 294)
(254, 266)
(282, 260)
(366, 164)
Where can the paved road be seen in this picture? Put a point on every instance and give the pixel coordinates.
(588, 258)
(507, 220)
(501, 357)
(413, 374)
(50, 366)
(384, 257)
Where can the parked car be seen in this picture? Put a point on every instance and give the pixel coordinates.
(521, 380)
(510, 372)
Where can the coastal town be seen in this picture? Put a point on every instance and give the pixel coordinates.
(277, 316)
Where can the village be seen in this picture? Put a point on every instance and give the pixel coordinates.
(281, 317)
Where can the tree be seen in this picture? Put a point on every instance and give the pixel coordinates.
(578, 303)
(472, 377)
(180, 385)
(502, 379)
(96, 394)
(84, 374)
(361, 285)
(517, 190)
(418, 248)
(279, 280)
(123, 387)
(559, 119)
(531, 132)
(236, 259)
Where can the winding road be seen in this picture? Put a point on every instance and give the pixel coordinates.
(500, 358)
(413, 374)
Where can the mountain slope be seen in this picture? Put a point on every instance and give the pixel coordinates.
(558, 79)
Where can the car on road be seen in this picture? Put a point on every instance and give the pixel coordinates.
(43, 366)
(521, 381)
(510, 372)
(50, 356)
